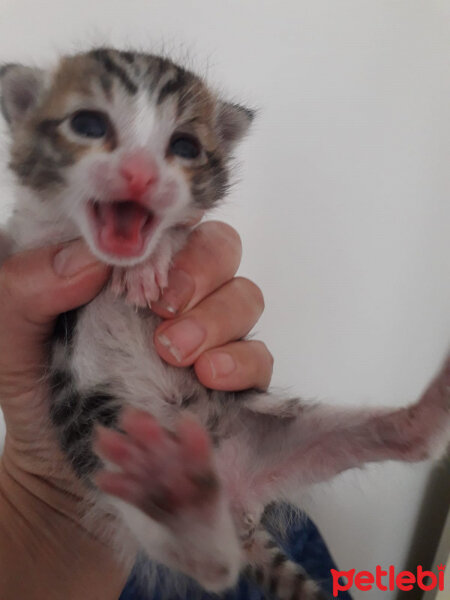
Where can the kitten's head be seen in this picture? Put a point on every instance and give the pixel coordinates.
(125, 145)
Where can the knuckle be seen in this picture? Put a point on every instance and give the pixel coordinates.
(268, 356)
(215, 246)
(249, 290)
(219, 229)
(233, 238)
(221, 239)
(264, 375)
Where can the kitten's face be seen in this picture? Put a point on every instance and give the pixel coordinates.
(123, 145)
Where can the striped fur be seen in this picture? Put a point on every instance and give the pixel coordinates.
(73, 411)
(42, 154)
(275, 573)
(266, 448)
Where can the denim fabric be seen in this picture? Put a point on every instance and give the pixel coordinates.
(303, 544)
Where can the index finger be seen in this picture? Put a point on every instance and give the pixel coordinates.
(210, 258)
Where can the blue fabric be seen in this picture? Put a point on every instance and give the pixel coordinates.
(303, 544)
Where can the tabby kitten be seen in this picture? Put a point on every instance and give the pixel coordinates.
(126, 149)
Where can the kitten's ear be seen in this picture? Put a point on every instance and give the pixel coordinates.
(20, 88)
(233, 122)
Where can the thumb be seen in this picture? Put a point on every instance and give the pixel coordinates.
(35, 287)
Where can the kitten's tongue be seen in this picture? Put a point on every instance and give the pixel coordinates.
(121, 227)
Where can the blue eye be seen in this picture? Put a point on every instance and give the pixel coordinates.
(185, 146)
(89, 123)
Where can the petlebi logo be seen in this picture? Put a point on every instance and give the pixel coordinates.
(388, 580)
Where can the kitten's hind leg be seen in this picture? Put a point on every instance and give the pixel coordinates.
(173, 500)
(275, 573)
(323, 441)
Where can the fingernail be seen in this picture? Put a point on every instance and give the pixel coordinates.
(179, 291)
(182, 338)
(222, 364)
(73, 258)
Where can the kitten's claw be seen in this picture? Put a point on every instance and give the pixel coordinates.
(143, 284)
(140, 285)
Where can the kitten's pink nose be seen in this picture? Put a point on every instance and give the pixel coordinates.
(140, 171)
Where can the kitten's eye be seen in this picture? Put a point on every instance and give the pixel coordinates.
(89, 123)
(185, 146)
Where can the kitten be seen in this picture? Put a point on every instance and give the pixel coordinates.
(126, 149)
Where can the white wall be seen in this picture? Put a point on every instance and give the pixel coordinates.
(343, 204)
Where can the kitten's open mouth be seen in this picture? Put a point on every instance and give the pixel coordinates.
(122, 227)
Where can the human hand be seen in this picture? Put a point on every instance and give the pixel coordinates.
(44, 549)
(208, 311)
(40, 498)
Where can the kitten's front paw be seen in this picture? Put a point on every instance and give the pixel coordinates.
(165, 474)
(170, 478)
(140, 285)
(143, 284)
